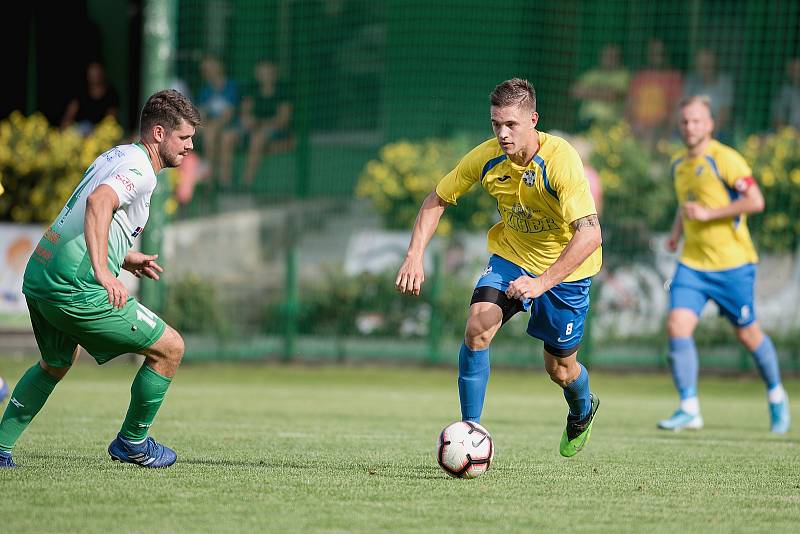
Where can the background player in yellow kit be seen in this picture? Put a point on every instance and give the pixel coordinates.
(716, 191)
(543, 252)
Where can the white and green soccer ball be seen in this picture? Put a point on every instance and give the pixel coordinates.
(465, 450)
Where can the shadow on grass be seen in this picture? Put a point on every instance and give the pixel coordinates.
(266, 464)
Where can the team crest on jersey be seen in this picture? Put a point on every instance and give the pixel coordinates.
(699, 170)
(529, 177)
(137, 231)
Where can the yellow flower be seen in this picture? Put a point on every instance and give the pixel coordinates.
(445, 227)
(767, 177)
(170, 206)
(609, 179)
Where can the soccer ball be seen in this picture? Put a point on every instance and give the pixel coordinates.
(3, 389)
(465, 450)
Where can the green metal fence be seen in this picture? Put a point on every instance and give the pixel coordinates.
(300, 261)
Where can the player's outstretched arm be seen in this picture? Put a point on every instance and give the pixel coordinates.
(100, 208)
(411, 273)
(586, 239)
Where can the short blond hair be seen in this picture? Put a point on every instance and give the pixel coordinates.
(696, 99)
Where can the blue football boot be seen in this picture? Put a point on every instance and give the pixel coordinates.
(149, 453)
(779, 418)
(6, 460)
(681, 420)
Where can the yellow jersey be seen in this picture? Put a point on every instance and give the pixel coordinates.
(714, 179)
(537, 203)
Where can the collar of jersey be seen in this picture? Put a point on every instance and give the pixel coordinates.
(141, 147)
(538, 150)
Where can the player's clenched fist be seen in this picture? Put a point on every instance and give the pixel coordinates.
(524, 287)
(410, 276)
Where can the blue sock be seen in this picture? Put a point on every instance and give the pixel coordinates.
(766, 359)
(685, 365)
(473, 377)
(577, 395)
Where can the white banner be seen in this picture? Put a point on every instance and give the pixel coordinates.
(17, 242)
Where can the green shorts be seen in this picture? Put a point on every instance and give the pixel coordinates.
(104, 331)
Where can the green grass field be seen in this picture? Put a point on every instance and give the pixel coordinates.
(334, 449)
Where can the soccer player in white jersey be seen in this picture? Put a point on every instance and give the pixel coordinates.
(75, 298)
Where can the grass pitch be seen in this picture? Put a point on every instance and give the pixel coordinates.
(271, 448)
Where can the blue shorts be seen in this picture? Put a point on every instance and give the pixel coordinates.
(557, 317)
(731, 289)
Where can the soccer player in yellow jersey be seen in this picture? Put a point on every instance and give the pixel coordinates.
(543, 253)
(716, 191)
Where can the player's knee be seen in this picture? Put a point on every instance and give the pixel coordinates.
(171, 347)
(560, 374)
(477, 337)
(56, 372)
(749, 336)
(177, 347)
(678, 326)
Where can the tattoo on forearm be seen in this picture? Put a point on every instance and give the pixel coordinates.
(585, 222)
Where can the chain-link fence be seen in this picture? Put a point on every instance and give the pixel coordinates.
(327, 122)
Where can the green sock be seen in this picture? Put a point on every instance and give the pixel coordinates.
(28, 397)
(147, 393)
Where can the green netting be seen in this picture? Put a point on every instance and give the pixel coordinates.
(386, 96)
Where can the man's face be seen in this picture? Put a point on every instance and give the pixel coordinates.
(210, 69)
(176, 144)
(695, 124)
(609, 57)
(266, 73)
(514, 127)
(706, 63)
(656, 54)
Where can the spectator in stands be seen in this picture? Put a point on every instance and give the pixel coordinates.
(264, 120)
(97, 100)
(786, 105)
(217, 101)
(602, 89)
(706, 80)
(654, 94)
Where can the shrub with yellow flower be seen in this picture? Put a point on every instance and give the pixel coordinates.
(775, 161)
(41, 165)
(405, 172)
(638, 194)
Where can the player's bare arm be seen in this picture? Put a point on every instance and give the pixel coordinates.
(676, 232)
(750, 201)
(100, 208)
(142, 265)
(586, 239)
(411, 274)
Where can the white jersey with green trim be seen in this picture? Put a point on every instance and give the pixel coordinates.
(60, 269)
